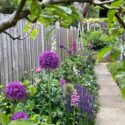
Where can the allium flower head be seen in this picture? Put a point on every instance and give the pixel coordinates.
(62, 81)
(38, 69)
(49, 60)
(19, 115)
(15, 91)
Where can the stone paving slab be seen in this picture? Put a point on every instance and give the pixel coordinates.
(109, 90)
(112, 106)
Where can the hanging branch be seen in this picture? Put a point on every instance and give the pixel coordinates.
(20, 14)
(14, 18)
(120, 20)
(19, 36)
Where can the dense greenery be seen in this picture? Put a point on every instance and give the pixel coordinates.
(77, 72)
(118, 72)
(7, 6)
(98, 39)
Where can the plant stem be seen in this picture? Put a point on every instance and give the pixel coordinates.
(74, 116)
(49, 90)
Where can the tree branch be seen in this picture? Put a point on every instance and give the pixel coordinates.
(95, 2)
(120, 20)
(14, 18)
(20, 14)
(19, 36)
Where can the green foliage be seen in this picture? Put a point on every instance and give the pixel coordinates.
(111, 12)
(98, 39)
(74, 69)
(109, 50)
(21, 123)
(76, 72)
(7, 6)
(66, 15)
(118, 71)
(93, 12)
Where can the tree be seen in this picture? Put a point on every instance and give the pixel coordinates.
(33, 10)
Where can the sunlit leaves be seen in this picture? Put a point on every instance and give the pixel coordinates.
(35, 8)
(4, 118)
(21, 123)
(66, 15)
(112, 12)
(104, 52)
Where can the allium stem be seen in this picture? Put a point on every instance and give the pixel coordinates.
(74, 116)
(49, 90)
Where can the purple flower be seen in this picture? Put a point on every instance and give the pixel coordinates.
(15, 91)
(61, 46)
(62, 81)
(86, 103)
(49, 60)
(19, 115)
(74, 48)
(38, 69)
(74, 98)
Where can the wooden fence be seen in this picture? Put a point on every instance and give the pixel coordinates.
(20, 57)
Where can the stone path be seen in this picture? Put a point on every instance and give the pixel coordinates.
(112, 106)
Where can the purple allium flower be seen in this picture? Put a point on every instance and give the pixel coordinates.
(19, 115)
(74, 48)
(74, 98)
(62, 81)
(49, 60)
(15, 91)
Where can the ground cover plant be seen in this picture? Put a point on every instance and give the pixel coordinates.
(60, 93)
(98, 39)
(118, 72)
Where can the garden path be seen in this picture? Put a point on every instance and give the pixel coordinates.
(112, 106)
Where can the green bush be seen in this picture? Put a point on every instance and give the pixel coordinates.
(98, 39)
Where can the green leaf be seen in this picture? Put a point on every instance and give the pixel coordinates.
(104, 52)
(123, 92)
(32, 89)
(117, 3)
(111, 17)
(66, 9)
(26, 27)
(34, 33)
(4, 118)
(32, 17)
(116, 53)
(35, 8)
(26, 83)
(111, 13)
(21, 122)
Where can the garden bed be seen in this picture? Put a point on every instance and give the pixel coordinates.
(66, 95)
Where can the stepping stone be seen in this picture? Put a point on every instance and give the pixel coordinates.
(112, 106)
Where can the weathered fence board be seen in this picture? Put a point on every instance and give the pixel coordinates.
(20, 57)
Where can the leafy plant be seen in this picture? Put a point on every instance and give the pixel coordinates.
(118, 71)
(98, 39)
